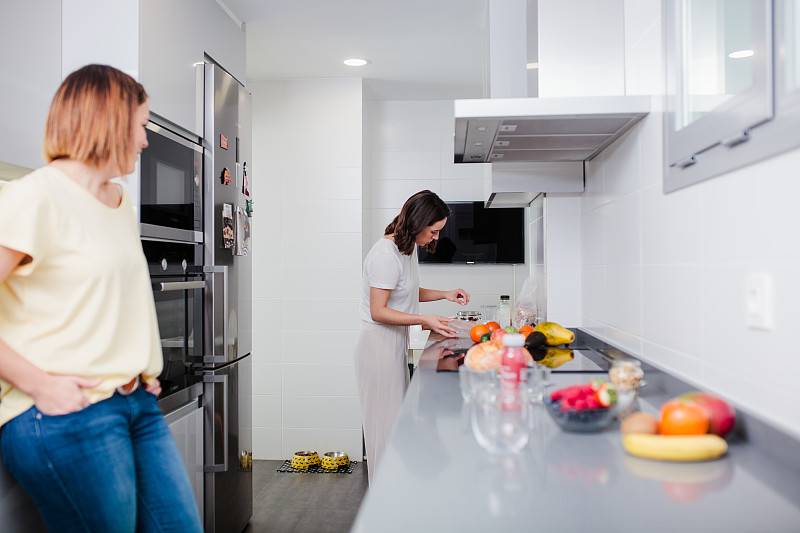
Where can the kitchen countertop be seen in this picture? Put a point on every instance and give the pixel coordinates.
(435, 477)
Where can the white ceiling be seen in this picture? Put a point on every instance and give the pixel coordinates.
(419, 49)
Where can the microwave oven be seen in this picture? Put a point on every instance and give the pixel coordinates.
(171, 194)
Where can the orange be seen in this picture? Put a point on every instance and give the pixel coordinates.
(478, 331)
(682, 419)
(525, 330)
(493, 326)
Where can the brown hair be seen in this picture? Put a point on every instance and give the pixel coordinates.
(91, 117)
(420, 211)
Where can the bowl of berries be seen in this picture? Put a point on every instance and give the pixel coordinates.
(585, 407)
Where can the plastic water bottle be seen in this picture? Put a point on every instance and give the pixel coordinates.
(503, 315)
(510, 376)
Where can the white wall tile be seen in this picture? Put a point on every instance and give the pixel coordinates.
(322, 183)
(623, 231)
(672, 226)
(266, 313)
(622, 164)
(564, 288)
(672, 297)
(394, 193)
(315, 216)
(338, 149)
(316, 249)
(408, 136)
(337, 90)
(267, 444)
(563, 239)
(267, 377)
(267, 348)
(406, 165)
(320, 314)
(318, 380)
(623, 297)
(592, 238)
(321, 347)
(310, 282)
(267, 411)
(266, 281)
(330, 412)
(593, 299)
(411, 111)
(463, 190)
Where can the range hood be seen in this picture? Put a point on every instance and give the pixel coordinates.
(542, 129)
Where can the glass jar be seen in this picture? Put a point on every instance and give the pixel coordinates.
(626, 374)
(471, 316)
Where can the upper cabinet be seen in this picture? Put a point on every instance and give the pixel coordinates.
(732, 82)
(175, 37)
(30, 46)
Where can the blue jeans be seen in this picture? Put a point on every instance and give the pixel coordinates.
(111, 467)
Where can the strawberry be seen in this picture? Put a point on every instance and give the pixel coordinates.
(592, 403)
(580, 404)
(606, 395)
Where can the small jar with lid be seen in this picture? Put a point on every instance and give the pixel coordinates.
(503, 313)
(626, 374)
(471, 316)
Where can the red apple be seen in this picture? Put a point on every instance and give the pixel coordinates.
(721, 415)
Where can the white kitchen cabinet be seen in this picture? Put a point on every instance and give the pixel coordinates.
(175, 36)
(30, 55)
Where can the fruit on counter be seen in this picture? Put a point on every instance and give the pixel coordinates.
(678, 418)
(535, 339)
(675, 447)
(585, 396)
(489, 354)
(497, 333)
(485, 337)
(551, 357)
(525, 330)
(555, 334)
(639, 422)
(721, 416)
(510, 329)
(477, 331)
(492, 325)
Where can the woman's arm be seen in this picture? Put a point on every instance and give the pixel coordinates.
(53, 395)
(378, 298)
(459, 296)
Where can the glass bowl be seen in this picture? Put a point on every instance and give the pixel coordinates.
(584, 420)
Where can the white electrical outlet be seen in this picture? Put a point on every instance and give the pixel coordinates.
(758, 301)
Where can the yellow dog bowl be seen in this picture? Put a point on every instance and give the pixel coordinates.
(333, 460)
(302, 460)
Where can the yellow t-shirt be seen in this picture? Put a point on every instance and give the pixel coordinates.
(84, 304)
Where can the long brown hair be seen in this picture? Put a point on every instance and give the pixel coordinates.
(420, 211)
(91, 117)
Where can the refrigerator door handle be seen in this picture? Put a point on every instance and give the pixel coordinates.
(216, 314)
(217, 467)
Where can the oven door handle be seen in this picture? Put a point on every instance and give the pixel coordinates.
(178, 285)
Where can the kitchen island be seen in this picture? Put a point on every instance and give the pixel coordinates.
(435, 477)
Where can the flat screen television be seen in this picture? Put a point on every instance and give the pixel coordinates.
(476, 235)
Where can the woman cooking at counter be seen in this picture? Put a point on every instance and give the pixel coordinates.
(79, 345)
(390, 296)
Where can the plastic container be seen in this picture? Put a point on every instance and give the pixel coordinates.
(510, 375)
(503, 314)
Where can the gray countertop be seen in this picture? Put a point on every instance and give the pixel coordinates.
(435, 477)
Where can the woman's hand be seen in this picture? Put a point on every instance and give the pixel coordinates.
(153, 386)
(61, 395)
(439, 324)
(459, 296)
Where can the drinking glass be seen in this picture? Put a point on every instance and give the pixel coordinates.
(536, 382)
(501, 431)
(488, 313)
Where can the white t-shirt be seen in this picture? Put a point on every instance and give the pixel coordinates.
(84, 304)
(386, 268)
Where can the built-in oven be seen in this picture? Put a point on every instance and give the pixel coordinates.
(176, 274)
(171, 195)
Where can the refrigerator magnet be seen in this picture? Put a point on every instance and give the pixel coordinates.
(227, 226)
(225, 176)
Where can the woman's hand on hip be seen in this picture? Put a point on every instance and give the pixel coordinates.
(61, 395)
(153, 386)
(459, 296)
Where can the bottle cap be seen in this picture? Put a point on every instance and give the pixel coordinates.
(513, 340)
(505, 297)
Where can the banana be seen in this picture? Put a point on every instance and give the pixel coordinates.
(675, 447)
(554, 333)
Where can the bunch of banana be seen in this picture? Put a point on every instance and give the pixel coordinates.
(675, 447)
(555, 334)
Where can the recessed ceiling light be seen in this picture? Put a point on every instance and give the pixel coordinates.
(531, 66)
(740, 54)
(354, 62)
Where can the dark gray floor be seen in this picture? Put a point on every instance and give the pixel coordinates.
(305, 503)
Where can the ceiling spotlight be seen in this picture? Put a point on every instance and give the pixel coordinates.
(531, 66)
(740, 54)
(356, 62)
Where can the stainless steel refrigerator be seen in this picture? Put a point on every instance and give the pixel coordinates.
(226, 366)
